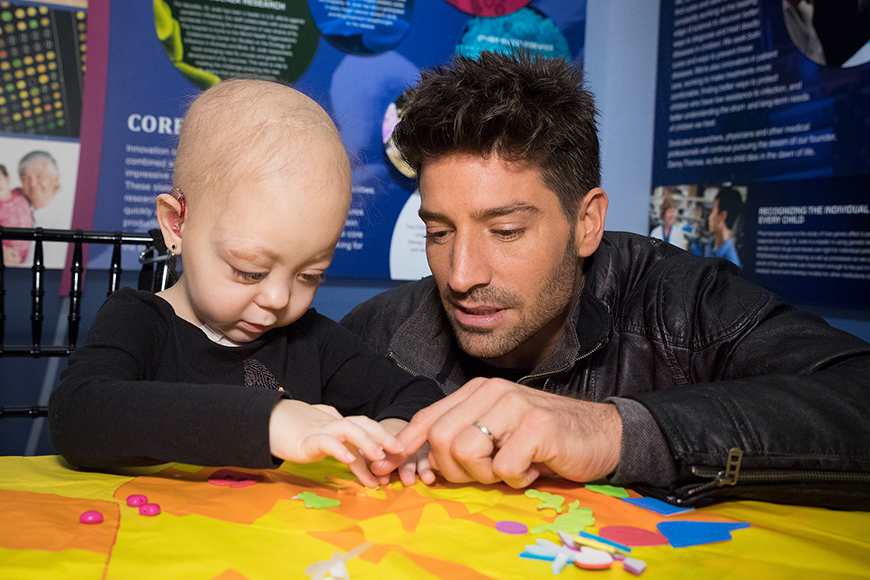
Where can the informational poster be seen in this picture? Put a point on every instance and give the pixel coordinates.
(355, 58)
(764, 106)
(42, 61)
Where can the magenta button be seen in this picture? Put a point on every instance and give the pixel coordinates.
(136, 500)
(149, 509)
(91, 517)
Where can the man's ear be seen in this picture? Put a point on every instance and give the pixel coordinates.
(590, 222)
(170, 217)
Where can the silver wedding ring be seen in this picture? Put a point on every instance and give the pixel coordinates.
(484, 430)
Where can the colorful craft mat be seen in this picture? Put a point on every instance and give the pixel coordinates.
(237, 529)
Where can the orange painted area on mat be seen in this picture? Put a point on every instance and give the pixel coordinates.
(182, 493)
(349, 539)
(43, 521)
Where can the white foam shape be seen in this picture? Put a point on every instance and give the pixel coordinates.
(334, 568)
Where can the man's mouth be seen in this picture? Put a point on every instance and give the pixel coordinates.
(478, 316)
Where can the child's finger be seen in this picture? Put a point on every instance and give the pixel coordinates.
(424, 470)
(317, 446)
(359, 468)
(408, 471)
(378, 434)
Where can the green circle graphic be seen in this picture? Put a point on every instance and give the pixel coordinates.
(209, 41)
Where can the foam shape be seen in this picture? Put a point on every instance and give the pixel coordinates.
(657, 506)
(592, 559)
(634, 566)
(633, 536)
(574, 519)
(312, 500)
(610, 490)
(601, 540)
(682, 534)
(548, 500)
(511, 527)
(234, 478)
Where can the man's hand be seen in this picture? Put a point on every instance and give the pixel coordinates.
(533, 433)
(408, 466)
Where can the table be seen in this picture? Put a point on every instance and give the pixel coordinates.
(233, 530)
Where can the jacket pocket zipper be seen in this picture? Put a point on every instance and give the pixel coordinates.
(732, 475)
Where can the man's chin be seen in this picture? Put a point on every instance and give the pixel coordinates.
(481, 344)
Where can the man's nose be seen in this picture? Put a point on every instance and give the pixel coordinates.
(469, 264)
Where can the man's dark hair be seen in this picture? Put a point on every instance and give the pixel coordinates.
(730, 201)
(521, 107)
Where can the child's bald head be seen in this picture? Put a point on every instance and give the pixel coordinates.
(248, 130)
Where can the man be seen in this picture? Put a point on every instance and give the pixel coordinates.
(592, 354)
(726, 208)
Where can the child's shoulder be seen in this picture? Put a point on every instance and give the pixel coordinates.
(135, 306)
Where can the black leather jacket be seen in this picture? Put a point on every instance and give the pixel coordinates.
(752, 398)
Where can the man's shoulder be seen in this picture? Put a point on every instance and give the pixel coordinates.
(650, 284)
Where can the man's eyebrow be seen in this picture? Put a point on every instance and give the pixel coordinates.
(484, 214)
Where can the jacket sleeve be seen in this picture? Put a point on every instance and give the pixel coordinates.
(358, 381)
(774, 403)
(110, 410)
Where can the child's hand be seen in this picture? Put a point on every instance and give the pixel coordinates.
(409, 466)
(305, 433)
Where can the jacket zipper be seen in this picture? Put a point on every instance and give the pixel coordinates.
(549, 374)
(391, 355)
(732, 475)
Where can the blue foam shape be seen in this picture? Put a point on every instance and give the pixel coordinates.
(530, 556)
(682, 534)
(598, 538)
(657, 506)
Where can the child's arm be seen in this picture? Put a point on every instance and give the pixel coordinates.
(409, 466)
(305, 433)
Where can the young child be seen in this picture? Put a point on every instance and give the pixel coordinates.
(229, 366)
(15, 212)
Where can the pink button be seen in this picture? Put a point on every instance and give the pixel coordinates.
(149, 509)
(136, 500)
(91, 517)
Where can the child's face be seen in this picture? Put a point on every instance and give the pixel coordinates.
(256, 263)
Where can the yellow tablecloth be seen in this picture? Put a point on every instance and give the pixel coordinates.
(444, 531)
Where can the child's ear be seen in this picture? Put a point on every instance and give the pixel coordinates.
(170, 217)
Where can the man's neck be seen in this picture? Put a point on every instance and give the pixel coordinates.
(721, 236)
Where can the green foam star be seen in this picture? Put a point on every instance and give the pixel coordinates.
(312, 500)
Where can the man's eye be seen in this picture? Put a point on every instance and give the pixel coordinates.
(436, 237)
(250, 276)
(314, 279)
(509, 234)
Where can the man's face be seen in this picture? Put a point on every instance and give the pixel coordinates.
(715, 221)
(39, 183)
(503, 256)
